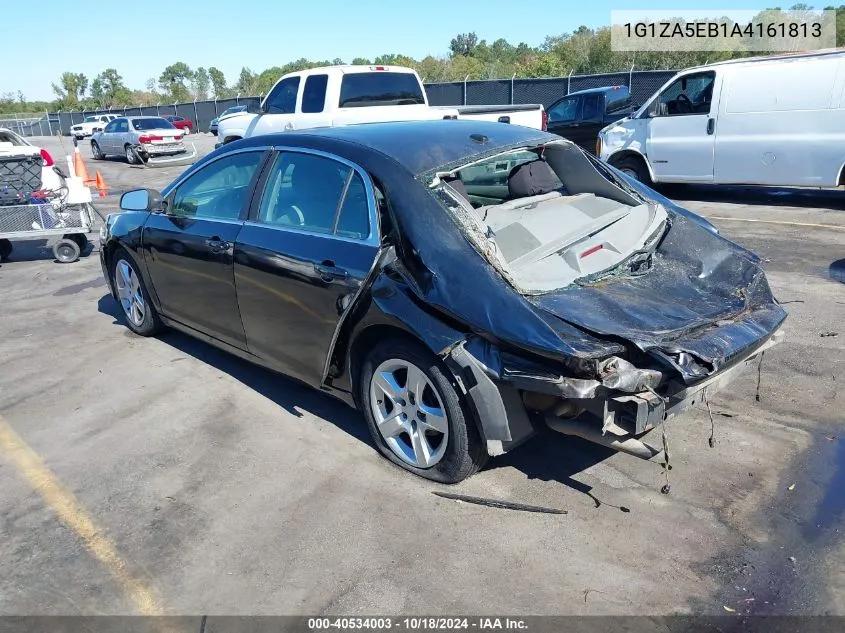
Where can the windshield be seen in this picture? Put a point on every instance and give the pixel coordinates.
(91, 119)
(233, 109)
(380, 88)
(152, 124)
(545, 217)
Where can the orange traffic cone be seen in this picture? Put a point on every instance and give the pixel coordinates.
(79, 168)
(102, 187)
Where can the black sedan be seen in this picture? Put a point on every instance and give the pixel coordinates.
(460, 282)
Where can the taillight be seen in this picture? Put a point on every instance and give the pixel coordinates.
(177, 138)
(149, 138)
(545, 121)
(377, 68)
(48, 160)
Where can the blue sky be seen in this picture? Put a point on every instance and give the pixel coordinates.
(140, 38)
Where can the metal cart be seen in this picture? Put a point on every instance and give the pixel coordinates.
(71, 223)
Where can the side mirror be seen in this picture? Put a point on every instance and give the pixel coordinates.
(140, 200)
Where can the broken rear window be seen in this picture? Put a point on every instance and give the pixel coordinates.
(546, 217)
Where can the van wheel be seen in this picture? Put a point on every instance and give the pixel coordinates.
(635, 167)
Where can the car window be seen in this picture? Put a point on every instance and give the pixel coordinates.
(122, 125)
(152, 123)
(494, 171)
(592, 107)
(314, 93)
(90, 119)
(564, 111)
(379, 89)
(690, 94)
(111, 127)
(282, 100)
(219, 189)
(304, 191)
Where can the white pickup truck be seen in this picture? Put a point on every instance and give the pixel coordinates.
(91, 124)
(345, 95)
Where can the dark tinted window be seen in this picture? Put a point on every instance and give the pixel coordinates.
(122, 125)
(617, 99)
(564, 111)
(153, 123)
(111, 127)
(283, 98)
(314, 93)
(354, 220)
(380, 88)
(218, 190)
(592, 107)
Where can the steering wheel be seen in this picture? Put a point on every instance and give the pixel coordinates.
(682, 98)
(293, 216)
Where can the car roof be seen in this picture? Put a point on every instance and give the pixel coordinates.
(419, 146)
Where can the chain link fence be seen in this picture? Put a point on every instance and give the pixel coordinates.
(642, 84)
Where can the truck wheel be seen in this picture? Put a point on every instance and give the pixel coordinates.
(634, 167)
(66, 251)
(80, 240)
(415, 415)
(6, 249)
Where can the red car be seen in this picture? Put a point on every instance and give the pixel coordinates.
(186, 125)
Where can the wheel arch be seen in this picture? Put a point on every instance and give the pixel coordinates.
(614, 158)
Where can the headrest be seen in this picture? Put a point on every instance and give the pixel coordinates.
(532, 179)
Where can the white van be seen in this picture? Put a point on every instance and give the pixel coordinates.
(765, 121)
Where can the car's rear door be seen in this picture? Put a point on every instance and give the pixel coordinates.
(300, 260)
(189, 248)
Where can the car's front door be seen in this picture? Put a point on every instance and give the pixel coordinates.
(302, 257)
(189, 247)
(590, 121)
(564, 116)
(105, 141)
(119, 137)
(681, 139)
(280, 102)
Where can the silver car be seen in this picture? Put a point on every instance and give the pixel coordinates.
(138, 136)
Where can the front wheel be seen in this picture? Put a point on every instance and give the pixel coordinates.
(415, 415)
(6, 249)
(634, 167)
(96, 152)
(138, 312)
(66, 251)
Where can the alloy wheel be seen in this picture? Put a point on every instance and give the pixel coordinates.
(129, 292)
(409, 413)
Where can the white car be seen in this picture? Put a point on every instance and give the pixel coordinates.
(344, 95)
(13, 146)
(90, 125)
(776, 121)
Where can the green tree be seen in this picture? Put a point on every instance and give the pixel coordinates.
(108, 90)
(218, 83)
(361, 61)
(71, 89)
(173, 81)
(200, 84)
(463, 44)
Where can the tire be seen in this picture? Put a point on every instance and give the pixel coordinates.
(130, 154)
(147, 323)
(6, 249)
(635, 167)
(80, 239)
(96, 152)
(66, 251)
(454, 455)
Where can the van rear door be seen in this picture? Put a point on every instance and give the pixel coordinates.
(681, 130)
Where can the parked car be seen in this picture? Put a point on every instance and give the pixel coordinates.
(15, 150)
(344, 95)
(180, 123)
(146, 135)
(775, 120)
(580, 116)
(91, 124)
(365, 261)
(212, 127)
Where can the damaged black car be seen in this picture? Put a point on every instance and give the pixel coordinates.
(459, 282)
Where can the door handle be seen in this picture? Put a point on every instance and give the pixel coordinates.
(711, 125)
(504, 119)
(328, 271)
(217, 245)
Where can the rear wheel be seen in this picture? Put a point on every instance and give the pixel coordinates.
(130, 155)
(415, 416)
(138, 312)
(6, 249)
(80, 239)
(635, 167)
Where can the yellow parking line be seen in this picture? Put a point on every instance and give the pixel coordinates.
(784, 222)
(65, 505)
